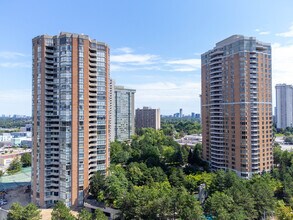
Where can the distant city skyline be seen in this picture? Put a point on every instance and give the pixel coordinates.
(155, 45)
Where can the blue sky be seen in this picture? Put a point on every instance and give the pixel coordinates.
(155, 44)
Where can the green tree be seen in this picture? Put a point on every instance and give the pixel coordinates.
(177, 177)
(277, 152)
(283, 212)
(288, 187)
(137, 173)
(192, 182)
(263, 195)
(157, 174)
(186, 206)
(150, 155)
(29, 212)
(26, 160)
(15, 212)
(6, 122)
(223, 180)
(120, 152)
(194, 156)
(99, 215)
(184, 150)
(61, 212)
(168, 129)
(97, 185)
(147, 202)
(14, 167)
(140, 174)
(243, 199)
(1, 173)
(85, 215)
(168, 154)
(116, 185)
(223, 207)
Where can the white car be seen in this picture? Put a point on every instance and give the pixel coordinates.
(3, 202)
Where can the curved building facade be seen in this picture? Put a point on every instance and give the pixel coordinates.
(236, 104)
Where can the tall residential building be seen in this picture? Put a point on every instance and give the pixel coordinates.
(112, 110)
(124, 113)
(236, 106)
(70, 116)
(147, 118)
(284, 106)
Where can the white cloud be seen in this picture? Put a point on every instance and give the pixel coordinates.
(282, 65)
(264, 33)
(14, 60)
(184, 65)
(124, 50)
(134, 59)
(11, 55)
(116, 67)
(260, 32)
(168, 95)
(286, 34)
(125, 60)
(16, 65)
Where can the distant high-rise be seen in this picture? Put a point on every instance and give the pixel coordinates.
(284, 106)
(70, 116)
(124, 113)
(147, 118)
(112, 110)
(236, 103)
(180, 113)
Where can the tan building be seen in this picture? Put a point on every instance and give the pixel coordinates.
(236, 106)
(8, 155)
(70, 116)
(6, 159)
(147, 118)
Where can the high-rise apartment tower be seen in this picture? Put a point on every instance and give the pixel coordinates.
(284, 106)
(70, 116)
(236, 106)
(147, 118)
(112, 110)
(124, 113)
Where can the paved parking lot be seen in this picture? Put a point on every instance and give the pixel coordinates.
(19, 195)
(15, 186)
(280, 140)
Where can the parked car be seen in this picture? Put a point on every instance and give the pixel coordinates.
(3, 202)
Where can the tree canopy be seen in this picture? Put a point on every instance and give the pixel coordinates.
(14, 166)
(179, 128)
(26, 160)
(29, 212)
(61, 212)
(153, 177)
